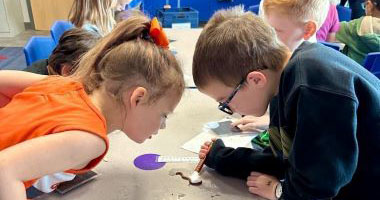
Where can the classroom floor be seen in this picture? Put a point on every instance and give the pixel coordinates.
(21, 39)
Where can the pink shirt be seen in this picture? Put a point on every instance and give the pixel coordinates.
(331, 24)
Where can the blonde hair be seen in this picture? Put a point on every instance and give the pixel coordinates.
(301, 10)
(123, 15)
(95, 12)
(128, 58)
(234, 43)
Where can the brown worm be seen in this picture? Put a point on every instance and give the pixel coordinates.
(187, 178)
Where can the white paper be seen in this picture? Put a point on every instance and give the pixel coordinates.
(178, 159)
(181, 26)
(234, 140)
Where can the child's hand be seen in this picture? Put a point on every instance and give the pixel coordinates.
(205, 148)
(262, 185)
(251, 123)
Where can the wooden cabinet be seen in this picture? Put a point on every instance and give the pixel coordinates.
(11, 19)
(46, 12)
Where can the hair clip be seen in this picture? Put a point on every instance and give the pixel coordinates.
(146, 35)
(157, 33)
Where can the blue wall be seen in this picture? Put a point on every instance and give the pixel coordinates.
(205, 7)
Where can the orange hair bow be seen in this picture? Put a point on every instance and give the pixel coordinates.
(158, 34)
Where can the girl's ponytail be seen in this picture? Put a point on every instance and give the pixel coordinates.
(129, 56)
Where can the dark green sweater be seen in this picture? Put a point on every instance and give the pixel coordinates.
(38, 67)
(324, 130)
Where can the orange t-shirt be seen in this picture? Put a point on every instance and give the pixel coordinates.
(52, 105)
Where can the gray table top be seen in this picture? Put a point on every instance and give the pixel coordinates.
(120, 179)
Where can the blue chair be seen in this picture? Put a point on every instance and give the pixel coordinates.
(372, 63)
(58, 28)
(331, 45)
(37, 48)
(135, 4)
(254, 9)
(344, 13)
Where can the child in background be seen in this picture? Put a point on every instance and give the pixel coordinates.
(331, 25)
(295, 21)
(126, 82)
(324, 111)
(123, 15)
(120, 6)
(305, 19)
(362, 36)
(71, 46)
(93, 15)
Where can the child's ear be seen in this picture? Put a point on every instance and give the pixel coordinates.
(310, 28)
(256, 79)
(138, 96)
(369, 8)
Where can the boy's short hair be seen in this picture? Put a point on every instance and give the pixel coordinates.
(234, 43)
(71, 46)
(303, 10)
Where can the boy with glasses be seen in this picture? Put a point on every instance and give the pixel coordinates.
(362, 36)
(324, 110)
(294, 22)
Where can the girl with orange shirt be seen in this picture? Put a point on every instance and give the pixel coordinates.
(60, 124)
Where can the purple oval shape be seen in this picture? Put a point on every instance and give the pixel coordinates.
(148, 162)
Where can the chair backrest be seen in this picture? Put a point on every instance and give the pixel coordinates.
(37, 48)
(252, 2)
(344, 13)
(372, 63)
(254, 9)
(58, 28)
(135, 4)
(331, 45)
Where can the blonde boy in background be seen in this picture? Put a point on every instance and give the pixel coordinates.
(295, 21)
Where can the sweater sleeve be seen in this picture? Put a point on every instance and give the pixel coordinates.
(347, 32)
(335, 21)
(324, 153)
(241, 162)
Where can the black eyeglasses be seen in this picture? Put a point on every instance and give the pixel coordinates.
(223, 106)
